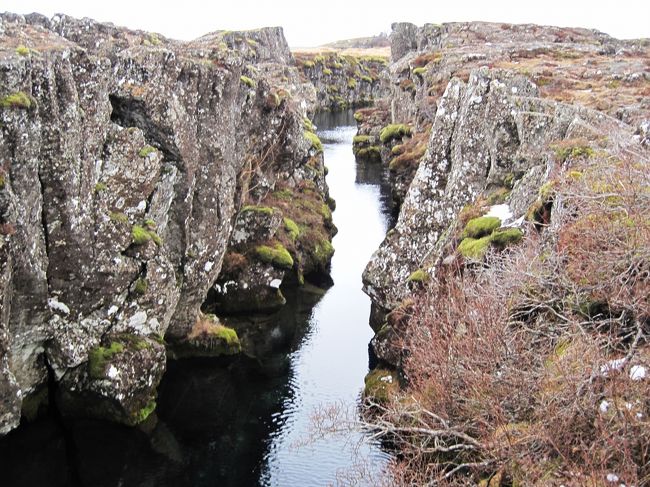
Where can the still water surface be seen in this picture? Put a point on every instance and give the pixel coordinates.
(244, 421)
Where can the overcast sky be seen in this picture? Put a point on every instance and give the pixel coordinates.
(312, 23)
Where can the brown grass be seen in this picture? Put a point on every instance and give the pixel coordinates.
(508, 367)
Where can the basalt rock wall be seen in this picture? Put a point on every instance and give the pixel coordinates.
(125, 158)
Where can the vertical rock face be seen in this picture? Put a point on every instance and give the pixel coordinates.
(488, 128)
(124, 159)
(343, 80)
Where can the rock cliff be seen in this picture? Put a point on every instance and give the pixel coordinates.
(125, 159)
(475, 111)
(344, 80)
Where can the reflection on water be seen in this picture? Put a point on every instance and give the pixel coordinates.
(237, 422)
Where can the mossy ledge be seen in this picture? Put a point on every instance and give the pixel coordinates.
(277, 255)
(316, 143)
(380, 386)
(394, 131)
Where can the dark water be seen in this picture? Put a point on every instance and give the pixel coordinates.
(244, 421)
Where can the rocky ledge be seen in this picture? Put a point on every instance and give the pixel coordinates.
(130, 166)
(477, 111)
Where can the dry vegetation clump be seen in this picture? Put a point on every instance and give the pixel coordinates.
(535, 368)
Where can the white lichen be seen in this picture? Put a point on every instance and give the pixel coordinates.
(56, 305)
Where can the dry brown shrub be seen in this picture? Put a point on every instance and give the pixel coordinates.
(511, 373)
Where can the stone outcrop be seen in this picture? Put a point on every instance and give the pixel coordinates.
(575, 66)
(344, 80)
(489, 111)
(125, 158)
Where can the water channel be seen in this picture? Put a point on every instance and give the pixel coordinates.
(245, 421)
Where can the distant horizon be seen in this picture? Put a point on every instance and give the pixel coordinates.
(342, 20)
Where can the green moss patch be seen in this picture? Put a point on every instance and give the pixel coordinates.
(208, 333)
(17, 100)
(509, 236)
(419, 275)
(475, 249)
(146, 150)
(323, 252)
(144, 413)
(421, 71)
(99, 357)
(363, 139)
(291, 228)
(141, 235)
(480, 227)
(308, 125)
(372, 154)
(265, 210)
(118, 217)
(141, 286)
(314, 140)
(574, 152)
(380, 385)
(22, 50)
(278, 255)
(247, 81)
(394, 131)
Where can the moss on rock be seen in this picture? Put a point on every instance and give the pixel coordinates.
(141, 235)
(247, 81)
(266, 210)
(17, 100)
(291, 228)
(380, 385)
(475, 249)
(277, 255)
(393, 131)
(314, 140)
(419, 275)
(508, 236)
(99, 357)
(146, 150)
(143, 413)
(480, 227)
